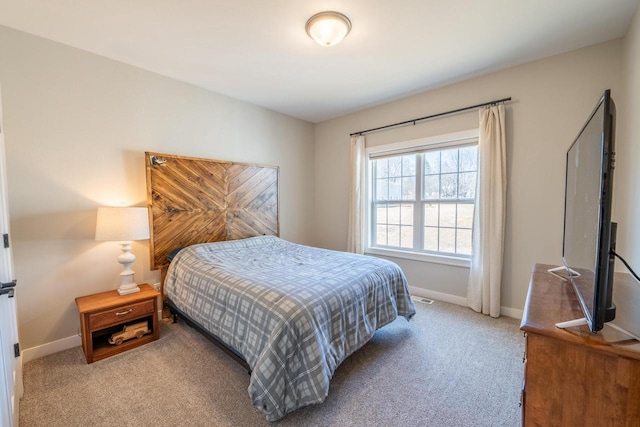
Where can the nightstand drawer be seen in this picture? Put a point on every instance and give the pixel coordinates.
(120, 315)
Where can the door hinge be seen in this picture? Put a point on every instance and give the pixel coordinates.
(16, 349)
(7, 288)
(11, 284)
(5, 238)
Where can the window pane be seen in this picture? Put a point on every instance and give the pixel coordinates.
(394, 214)
(381, 235)
(432, 187)
(406, 237)
(393, 235)
(463, 245)
(431, 162)
(395, 225)
(395, 166)
(447, 240)
(449, 186)
(469, 159)
(409, 188)
(409, 165)
(395, 188)
(382, 186)
(381, 214)
(406, 215)
(467, 189)
(430, 239)
(447, 215)
(449, 162)
(382, 168)
(431, 214)
(465, 215)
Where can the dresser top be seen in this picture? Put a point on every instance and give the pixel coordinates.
(552, 299)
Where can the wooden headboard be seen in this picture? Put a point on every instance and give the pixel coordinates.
(193, 200)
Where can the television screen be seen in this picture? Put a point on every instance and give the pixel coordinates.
(587, 220)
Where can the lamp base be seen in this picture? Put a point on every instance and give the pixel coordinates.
(128, 291)
(126, 258)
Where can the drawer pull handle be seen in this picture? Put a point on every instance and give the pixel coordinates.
(122, 313)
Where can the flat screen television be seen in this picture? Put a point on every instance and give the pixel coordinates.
(589, 234)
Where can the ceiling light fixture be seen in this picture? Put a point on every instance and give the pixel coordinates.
(328, 28)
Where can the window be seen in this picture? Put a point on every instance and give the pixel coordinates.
(422, 197)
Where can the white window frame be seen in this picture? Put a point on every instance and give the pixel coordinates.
(434, 142)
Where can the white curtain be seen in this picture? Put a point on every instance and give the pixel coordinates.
(356, 196)
(483, 292)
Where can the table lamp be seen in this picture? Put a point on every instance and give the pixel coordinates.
(123, 224)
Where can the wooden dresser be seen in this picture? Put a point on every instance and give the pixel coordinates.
(573, 377)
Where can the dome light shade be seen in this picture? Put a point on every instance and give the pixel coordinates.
(328, 28)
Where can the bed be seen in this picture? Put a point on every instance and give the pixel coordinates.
(289, 313)
(293, 312)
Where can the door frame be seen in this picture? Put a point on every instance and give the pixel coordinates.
(10, 362)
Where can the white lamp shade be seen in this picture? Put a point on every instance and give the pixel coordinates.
(122, 224)
(328, 28)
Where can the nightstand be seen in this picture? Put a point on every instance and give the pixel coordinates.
(106, 313)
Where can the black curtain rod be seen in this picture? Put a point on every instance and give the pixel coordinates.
(362, 132)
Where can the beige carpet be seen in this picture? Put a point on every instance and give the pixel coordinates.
(447, 367)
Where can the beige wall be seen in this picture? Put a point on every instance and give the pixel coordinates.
(627, 176)
(552, 98)
(627, 173)
(77, 126)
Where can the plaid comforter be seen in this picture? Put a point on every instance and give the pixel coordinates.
(294, 312)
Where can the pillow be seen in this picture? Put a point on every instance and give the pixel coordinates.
(173, 253)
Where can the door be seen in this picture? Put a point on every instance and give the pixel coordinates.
(10, 360)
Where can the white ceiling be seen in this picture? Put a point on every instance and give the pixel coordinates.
(258, 51)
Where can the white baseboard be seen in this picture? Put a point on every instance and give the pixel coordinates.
(56, 346)
(454, 299)
(511, 312)
(50, 348)
(440, 296)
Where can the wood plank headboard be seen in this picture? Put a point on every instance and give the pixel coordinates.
(193, 200)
